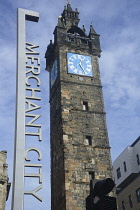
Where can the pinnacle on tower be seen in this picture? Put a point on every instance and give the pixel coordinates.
(69, 16)
(69, 6)
(92, 31)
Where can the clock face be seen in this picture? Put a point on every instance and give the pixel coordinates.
(54, 73)
(79, 64)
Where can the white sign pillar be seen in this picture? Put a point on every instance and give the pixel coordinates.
(19, 150)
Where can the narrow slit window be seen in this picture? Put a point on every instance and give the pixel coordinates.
(85, 105)
(88, 140)
(130, 201)
(91, 175)
(118, 171)
(138, 195)
(123, 205)
(124, 165)
(138, 159)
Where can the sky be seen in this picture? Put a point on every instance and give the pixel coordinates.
(118, 23)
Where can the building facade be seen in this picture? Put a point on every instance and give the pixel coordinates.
(80, 148)
(127, 177)
(4, 185)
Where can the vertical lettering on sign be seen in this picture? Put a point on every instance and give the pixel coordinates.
(33, 90)
(39, 134)
(32, 73)
(30, 47)
(32, 77)
(33, 149)
(33, 192)
(34, 118)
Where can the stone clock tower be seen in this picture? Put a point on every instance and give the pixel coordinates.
(79, 141)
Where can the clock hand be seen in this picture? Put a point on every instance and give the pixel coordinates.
(82, 68)
(80, 64)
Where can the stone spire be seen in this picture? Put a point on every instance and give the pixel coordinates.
(69, 6)
(92, 31)
(69, 16)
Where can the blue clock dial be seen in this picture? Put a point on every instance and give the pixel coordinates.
(79, 64)
(54, 73)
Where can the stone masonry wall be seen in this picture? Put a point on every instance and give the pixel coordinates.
(81, 159)
(3, 179)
